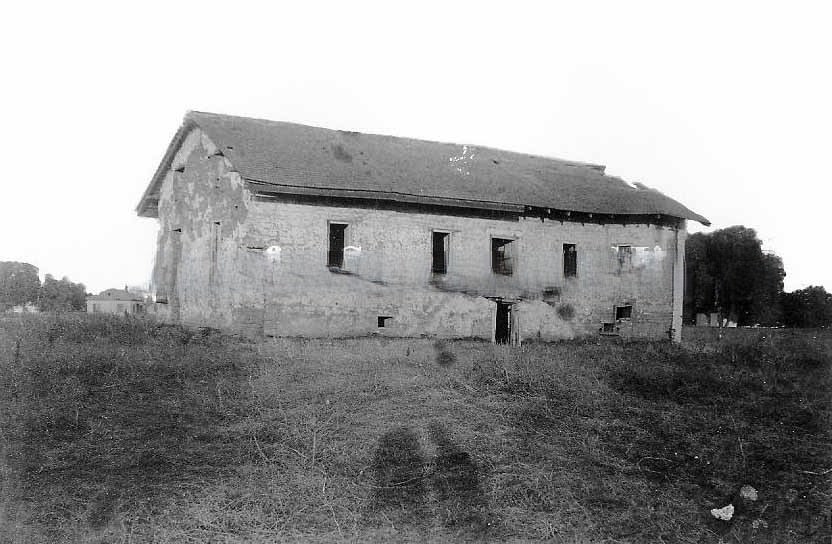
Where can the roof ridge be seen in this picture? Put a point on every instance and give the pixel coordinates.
(566, 162)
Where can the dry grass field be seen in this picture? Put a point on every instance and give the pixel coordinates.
(123, 430)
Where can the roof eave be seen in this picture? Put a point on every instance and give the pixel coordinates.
(693, 216)
(264, 188)
(267, 188)
(148, 205)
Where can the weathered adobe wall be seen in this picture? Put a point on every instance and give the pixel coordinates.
(391, 275)
(222, 274)
(202, 206)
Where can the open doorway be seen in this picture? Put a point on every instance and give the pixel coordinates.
(502, 329)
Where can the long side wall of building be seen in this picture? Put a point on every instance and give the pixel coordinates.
(259, 266)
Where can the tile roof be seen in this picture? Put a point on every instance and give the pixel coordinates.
(291, 158)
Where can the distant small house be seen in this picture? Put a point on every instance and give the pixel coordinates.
(27, 308)
(115, 301)
(713, 320)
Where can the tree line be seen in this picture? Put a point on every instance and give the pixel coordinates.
(727, 273)
(20, 286)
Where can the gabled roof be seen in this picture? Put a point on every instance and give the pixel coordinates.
(116, 294)
(297, 159)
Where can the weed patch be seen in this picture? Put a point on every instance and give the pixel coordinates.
(127, 430)
(92, 427)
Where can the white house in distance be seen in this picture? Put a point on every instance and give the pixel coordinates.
(27, 308)
(115, 301)
(279, 229)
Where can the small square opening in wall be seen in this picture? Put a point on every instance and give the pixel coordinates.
(383, 321)
(623, 312)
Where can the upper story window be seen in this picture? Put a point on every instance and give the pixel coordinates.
(337, 239)
(501, 256)
(624, 312)
(570, 261)
(441, 246)
(625, 257)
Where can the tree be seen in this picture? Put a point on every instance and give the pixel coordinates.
(809, 307)
(699, 284)
(766, 307)
(19, 283)
(62, 295)
(728, 273)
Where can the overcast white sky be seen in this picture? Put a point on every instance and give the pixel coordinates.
(726, 107)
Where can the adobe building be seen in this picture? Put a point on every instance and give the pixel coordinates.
(279, 229)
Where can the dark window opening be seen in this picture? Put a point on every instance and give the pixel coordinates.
(551, 292)
(501, 259)
(570, 261)
(608, 328)
(625, 257)
(382, 320)
(337, 236)
(623, 312)
(440, 252)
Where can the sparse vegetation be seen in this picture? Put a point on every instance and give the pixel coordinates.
(120, 429)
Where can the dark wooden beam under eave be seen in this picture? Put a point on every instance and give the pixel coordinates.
(271, 189)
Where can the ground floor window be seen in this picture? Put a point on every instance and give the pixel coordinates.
(383, 320)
